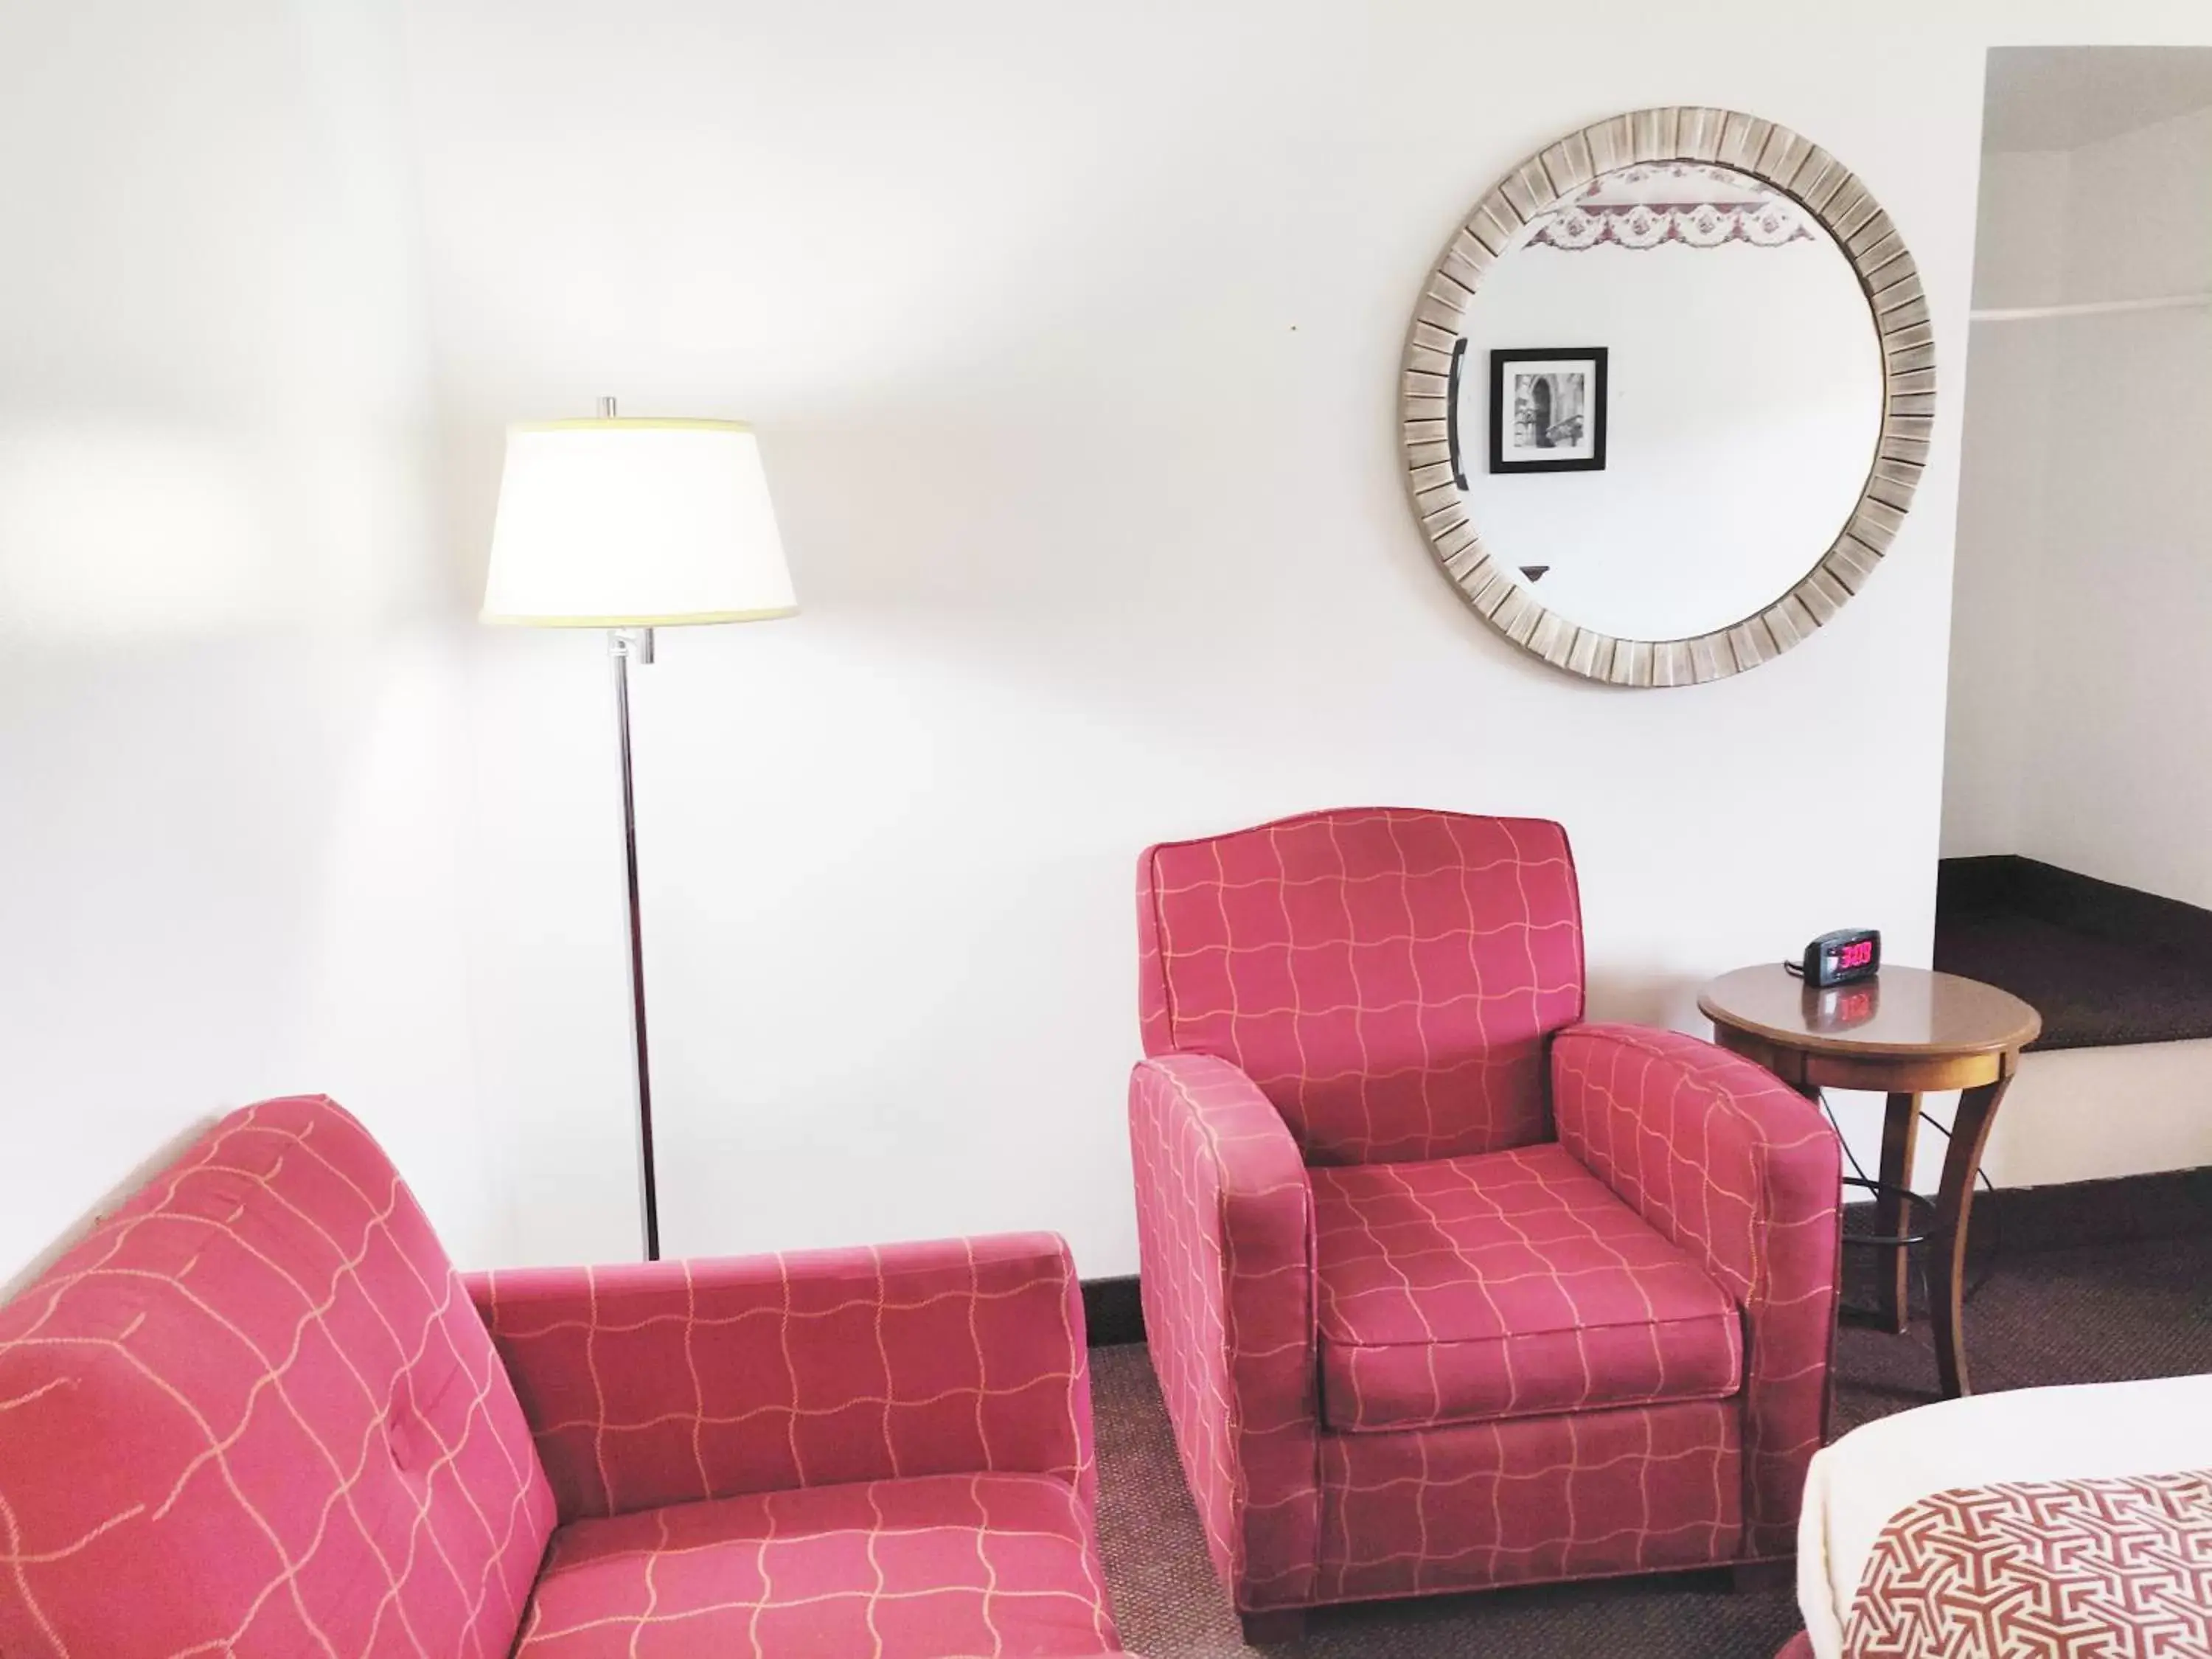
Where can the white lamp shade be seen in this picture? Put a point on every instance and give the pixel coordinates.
(621, 523)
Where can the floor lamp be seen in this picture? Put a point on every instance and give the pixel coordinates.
(632, 524)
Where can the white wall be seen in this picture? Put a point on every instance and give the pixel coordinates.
(1072, 335)
(2019, 254)
(230, 776)
(2080, 681)
(2093, 1114)
(2125, 679)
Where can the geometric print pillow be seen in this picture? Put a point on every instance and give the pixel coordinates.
(2115, 1568)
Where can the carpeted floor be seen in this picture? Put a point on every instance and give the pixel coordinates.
(2093, 992)
(2104, 964)
(2082, 1316)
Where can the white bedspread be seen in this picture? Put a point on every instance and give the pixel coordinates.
(2028, 1434)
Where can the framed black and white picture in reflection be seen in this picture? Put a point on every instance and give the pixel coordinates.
(1547, 410)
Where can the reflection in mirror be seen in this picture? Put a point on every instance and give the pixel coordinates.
(1667, 396)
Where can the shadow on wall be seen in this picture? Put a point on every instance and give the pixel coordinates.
(248, 881)
(109, 1202)
(1633, 996)
(123, 529)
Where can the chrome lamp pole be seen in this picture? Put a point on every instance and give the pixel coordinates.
(631, 524)
(624, 645)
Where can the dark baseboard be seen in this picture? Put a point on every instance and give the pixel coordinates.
(2127, 1209)
(1111, 1312)
(2006, 882)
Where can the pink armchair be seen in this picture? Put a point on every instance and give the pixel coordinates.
(1445, 1288)
(257, 1413)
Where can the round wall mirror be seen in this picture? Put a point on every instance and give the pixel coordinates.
(1667, 397)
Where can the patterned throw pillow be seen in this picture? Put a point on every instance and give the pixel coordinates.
(2118, 1568)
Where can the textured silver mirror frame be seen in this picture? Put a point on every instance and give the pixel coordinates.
(1812, 177)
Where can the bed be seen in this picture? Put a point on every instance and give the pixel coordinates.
(2112, 1481)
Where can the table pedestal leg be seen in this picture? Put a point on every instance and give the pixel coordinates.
(1954, 1203)
(1900, 1135)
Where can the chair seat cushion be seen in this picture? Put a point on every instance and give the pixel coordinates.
(1505, 1284)
(922, 1569)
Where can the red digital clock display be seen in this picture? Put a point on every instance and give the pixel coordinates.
(1839, 957)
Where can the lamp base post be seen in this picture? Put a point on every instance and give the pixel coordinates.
(624, 646)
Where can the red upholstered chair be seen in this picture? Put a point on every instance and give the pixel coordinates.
(257, 1413)
(1445, 1288)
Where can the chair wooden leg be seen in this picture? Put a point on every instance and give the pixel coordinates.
(1755, 1576)
(1280, 1628)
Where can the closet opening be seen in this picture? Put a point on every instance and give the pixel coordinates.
(2076, 853)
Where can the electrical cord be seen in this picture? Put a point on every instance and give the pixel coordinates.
(1860, 1177)
(1857, 1168)
(1796, 970)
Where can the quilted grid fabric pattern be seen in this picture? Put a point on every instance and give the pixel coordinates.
(940, 1565)
(1581, 1496)
(1742, 1174)
(1387, 977)
(1224, 1232)
(2119, 1568)
(254, 1414)
(1607, 1354)
(1505, 1284)
(667, 1382)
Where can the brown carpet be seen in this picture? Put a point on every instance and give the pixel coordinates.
(2081, 1315)
(2102, 964)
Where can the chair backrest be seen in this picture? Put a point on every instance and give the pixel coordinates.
(1388, 976)
(254, 1413)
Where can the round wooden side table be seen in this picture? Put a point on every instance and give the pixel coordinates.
(1903, 1033)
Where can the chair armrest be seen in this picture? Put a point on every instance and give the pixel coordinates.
(1745, 1175)
(669, 1382)
(1224, 1232)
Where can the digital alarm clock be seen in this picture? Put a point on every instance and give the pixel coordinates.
(1841, 957)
